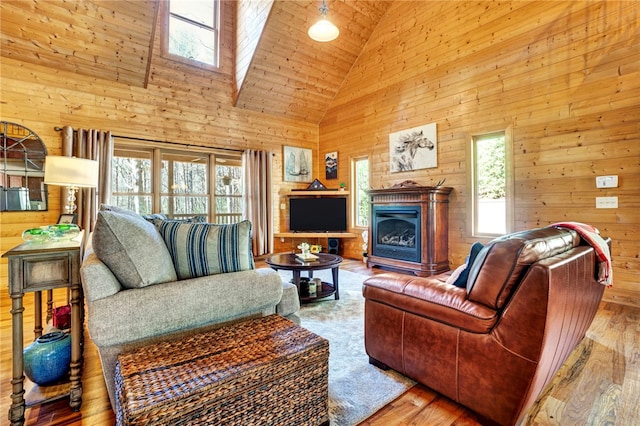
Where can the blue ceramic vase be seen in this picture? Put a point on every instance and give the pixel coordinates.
(47, 359)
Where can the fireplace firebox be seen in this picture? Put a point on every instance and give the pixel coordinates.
(409, 229)
(396, 232)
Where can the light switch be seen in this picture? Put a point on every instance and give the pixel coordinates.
(606, 202)
(606, 181)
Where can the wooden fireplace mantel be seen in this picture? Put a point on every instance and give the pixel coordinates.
(434, 227)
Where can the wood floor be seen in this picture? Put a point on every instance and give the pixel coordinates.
(599, 384)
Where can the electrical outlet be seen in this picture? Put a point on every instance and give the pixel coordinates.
(606, 202)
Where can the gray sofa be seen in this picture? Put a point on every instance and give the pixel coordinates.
(121, 317)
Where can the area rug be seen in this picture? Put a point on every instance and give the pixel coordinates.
(357, 389)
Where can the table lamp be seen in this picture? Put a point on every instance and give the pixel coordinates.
(71, 172)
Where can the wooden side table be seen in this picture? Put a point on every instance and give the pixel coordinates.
(289, 262)
(35, 267)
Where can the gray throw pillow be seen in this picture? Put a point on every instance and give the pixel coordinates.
(159, 218)
(133, 249)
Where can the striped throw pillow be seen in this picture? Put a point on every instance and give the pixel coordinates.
(201, 249)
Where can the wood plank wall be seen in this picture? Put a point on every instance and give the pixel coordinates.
(563, 75)
(181, 104)
(48, 23)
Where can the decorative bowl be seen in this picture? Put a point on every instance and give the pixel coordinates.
(35, 235)
(63, 231)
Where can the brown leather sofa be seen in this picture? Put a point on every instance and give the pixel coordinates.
(494, 345)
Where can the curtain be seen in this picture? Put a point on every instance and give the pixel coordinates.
(93, 145)
(257, 166)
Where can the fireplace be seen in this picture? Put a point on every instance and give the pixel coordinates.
(396, 232)
(409, 229)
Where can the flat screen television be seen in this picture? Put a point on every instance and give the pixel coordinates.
(323, 214)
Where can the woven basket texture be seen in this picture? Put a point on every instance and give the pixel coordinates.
(264, 371)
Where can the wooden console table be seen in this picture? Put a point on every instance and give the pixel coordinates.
(34, 267)
(433, 205)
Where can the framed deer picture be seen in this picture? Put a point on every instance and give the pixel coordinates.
(413, 149)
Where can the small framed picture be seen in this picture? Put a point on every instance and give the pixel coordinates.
(331, 165)
(298, 164)
(68, 218)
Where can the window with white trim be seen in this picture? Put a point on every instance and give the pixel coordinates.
(192, 33)
(229, 190)
(177, 183)
(132, 179)
(360, 198)
(490, 174)
(184, 184)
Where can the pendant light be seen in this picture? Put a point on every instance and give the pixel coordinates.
(323, 30)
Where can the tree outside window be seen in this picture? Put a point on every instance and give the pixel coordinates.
(360, 173)
(228, 193)
(193, 30)
(184, 185)
(489, 184)
(177, 183)
(131, 175)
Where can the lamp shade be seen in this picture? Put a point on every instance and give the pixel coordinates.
(70, 171)
(323, 31)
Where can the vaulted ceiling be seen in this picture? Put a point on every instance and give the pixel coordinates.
(295, 76)
(288, 74)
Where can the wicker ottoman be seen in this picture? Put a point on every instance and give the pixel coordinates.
(264, 371)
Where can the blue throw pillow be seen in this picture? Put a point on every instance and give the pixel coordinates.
(200, 249)
(461, 281)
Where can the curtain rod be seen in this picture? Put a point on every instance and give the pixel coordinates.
(59, 129)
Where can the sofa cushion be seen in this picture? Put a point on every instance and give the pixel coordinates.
(165, 308)
(430, 297)
(132, 248)
(200, 249)
(501, 264)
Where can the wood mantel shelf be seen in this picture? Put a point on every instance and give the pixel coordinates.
(314, 235)
(318, 192)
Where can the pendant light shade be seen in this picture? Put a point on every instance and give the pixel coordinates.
(323, 30)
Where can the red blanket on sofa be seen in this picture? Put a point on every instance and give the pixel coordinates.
(592, 236)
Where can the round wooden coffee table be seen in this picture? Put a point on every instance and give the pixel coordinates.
(289, 262)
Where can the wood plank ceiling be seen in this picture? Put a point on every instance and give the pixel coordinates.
(109, 40)
(289, 75)
(295, 76)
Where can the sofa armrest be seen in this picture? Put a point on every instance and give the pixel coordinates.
(142, 313)
(430, 297)
(98, 281)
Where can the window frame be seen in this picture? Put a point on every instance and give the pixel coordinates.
(166, 15)
(150, 157)
(172, 156)
(233, 162)
(355, 196)
(157, 150)
(473, 199)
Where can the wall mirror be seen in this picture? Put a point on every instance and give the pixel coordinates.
(22, 155)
